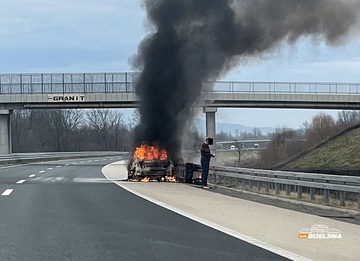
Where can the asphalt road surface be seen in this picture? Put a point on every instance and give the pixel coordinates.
(67, 210)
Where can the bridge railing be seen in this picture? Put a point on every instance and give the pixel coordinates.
(67, 83)
(285, 87)
(45, 83)
(314, 187)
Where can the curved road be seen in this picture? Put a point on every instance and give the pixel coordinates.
(67, 210)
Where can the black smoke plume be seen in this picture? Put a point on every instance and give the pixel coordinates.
(193, 41)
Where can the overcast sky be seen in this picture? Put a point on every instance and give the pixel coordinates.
(101, 36)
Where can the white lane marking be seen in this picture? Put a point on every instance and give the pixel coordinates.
(21, 181)
(50, 168)
(74, 162)
(32, 175)
(67, 164)
(96, 160)
(41, 171)
(58, 166)
(35, 163)
(82, 161)
(7, 192)
(251, 240)
(89, 160)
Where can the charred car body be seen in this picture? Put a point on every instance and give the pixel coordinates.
(151, 163)
(152, 169)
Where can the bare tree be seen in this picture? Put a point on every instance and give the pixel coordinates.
(322, 126)
(100, 121)
(69, 130)
(119, 131)
(348, 118)
(73, 120)
(64, 124)
(256, 132)
(107, 123)
(135, 119)
(285, 143)
(40, 130)
(19, 126)
(221, 136)
(238, 147)
(246, 135)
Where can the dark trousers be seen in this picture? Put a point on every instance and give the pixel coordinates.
(205, 165)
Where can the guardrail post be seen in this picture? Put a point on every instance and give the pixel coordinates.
(250, 184)
(312, 194)
(233, 181)
(237, 182)
(299, 191)
(267, 187)
(287, 188)
(258, 185)
(277, 188)
(358, 196)
(326, 195)
(342, 198)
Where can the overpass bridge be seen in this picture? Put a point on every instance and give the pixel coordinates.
(116, 90)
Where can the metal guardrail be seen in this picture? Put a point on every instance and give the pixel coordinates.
(32, 157)
(45, 83)
(299, 182)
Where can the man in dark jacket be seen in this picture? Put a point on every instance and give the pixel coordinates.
(205, 161)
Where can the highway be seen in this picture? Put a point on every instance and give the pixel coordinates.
(67, 210)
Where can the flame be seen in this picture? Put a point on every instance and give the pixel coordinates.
(170, 178)
(146, 179)
(148, 152)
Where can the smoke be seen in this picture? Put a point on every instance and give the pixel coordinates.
(193, 41)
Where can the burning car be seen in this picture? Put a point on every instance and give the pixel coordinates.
(151, 163)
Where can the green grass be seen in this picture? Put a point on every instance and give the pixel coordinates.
(231, 158)
(342, 152)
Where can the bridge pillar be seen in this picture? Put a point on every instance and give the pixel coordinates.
(5, 132)
(211, 129)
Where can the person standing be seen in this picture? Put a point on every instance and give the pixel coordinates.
(205, 162)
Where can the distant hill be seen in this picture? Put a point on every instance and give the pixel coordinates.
(231, 127)
(337, 155)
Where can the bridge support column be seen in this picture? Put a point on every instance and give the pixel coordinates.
(211, 129)
(5, 132)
